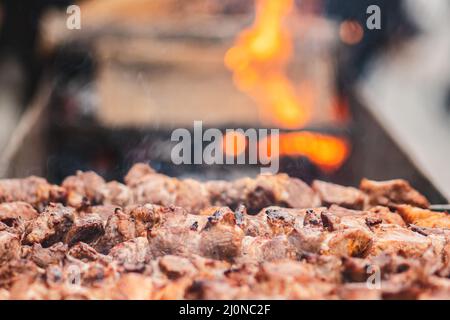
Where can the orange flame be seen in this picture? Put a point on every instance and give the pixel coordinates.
(259, 60)
(327, 152)
(234, 143)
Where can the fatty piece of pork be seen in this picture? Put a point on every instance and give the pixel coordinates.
(137, 221)
(392, 193)
(366, 233)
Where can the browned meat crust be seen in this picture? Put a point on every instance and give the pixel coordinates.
(157, 237)
(33, 190)
(392, 193)
(347, 197)
(423, 217)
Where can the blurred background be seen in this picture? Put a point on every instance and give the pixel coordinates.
(350, 102)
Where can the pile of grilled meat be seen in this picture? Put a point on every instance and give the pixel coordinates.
(272, 237)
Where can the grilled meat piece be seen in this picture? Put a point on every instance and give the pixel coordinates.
(221, 241)
(86, 229)
(259, 249)
(147, 186)
(138, 173)
(115, 193)
(173, 241)
(11, 212)
(103, 211)
(347, 197)
(398, 240)
(392, 193)
(50, 226)
(43, 257)
(385, 215)
(33, 190)
(150, 187)
(14, 216)
(85, 253)
(352, 242)
(9, 246)
(176, 267)
(267, 190)
(166, 191)
(423, 217)
(84, 188)
(132, 252)
(120, 227)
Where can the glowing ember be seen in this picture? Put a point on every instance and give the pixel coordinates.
(327, 152)
(351, 32)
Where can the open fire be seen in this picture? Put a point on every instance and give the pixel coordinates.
(259, 61)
